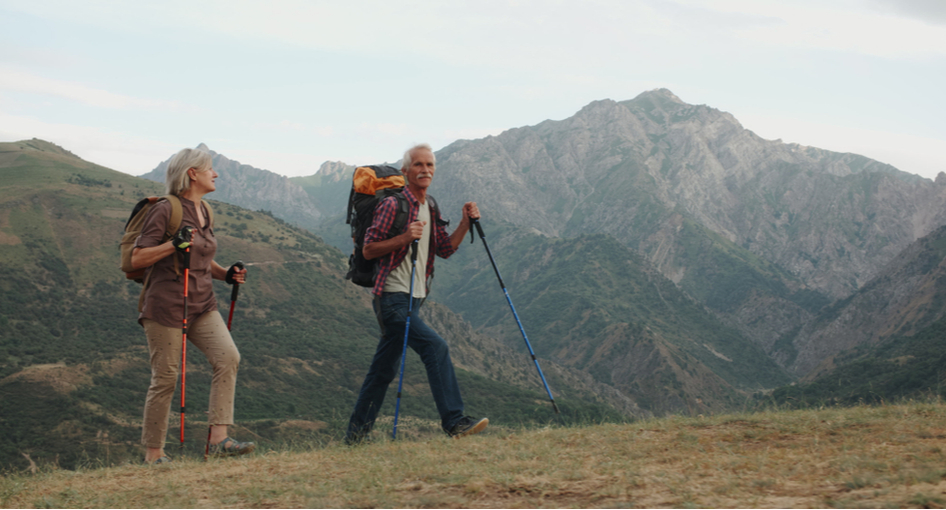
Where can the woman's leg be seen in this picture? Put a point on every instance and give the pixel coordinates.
(209, 334)
(164, 347)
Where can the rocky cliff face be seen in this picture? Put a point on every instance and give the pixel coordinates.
(830, 219)
(255, 189)
(908, 295)
(706, 200)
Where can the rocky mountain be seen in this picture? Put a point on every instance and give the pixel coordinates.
(905, 298)
(591, 303)
(831, 219)
(763, 232)
(885, 343)
(256, 189)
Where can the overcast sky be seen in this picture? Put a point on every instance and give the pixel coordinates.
(286, 85)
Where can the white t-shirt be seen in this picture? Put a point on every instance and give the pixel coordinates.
(400, 278)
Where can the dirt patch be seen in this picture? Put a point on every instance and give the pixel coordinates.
(116, 213)
(62, 378)
(5, 238)
(302, 425)
(9, 239)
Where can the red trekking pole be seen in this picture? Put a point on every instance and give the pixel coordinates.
(187, 263)
(233, 295)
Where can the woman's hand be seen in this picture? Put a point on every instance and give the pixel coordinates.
(236, 274)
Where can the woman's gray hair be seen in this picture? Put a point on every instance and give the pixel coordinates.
(176, 180)
(409, 155)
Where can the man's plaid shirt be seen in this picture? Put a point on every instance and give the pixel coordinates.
(380, 231)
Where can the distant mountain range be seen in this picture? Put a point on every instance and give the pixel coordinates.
(761, 232)
(295, 200)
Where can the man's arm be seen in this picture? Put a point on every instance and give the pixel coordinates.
(381, 248)
(377, 243)
(470, 210)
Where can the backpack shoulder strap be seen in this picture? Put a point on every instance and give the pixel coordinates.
(435, 212)
(400, 214)
(177, 215)
(144, 288)
(174, 224)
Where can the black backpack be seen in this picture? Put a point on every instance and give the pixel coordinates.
(371, 185)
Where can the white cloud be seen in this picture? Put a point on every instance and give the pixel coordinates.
(495, 62)
(835, 26)
(928, 11)
(14, 80)
(383, 129)
(126, 153)
(287, 126)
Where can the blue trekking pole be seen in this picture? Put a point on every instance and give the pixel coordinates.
(407, 330)
(479, 230)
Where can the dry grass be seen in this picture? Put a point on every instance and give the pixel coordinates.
(859, 457)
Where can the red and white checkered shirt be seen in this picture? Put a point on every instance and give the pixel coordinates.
(380, 231)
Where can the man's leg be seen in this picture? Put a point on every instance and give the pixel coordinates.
(435, 353)
(391, 310)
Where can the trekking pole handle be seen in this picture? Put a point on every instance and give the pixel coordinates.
(479, 229)
(236, 286)
(414, 251)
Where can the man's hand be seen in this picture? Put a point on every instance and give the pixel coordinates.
(471, 211)
(415, 230)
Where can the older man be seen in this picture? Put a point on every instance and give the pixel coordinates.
(391, 294)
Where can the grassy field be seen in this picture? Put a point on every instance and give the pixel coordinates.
(872, 457)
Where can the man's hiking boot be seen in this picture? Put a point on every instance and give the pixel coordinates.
(357, 439)
(230, 447)
(468, 425)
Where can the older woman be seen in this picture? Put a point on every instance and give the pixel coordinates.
(190, 176)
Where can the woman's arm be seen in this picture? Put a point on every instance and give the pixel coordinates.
(146, 257)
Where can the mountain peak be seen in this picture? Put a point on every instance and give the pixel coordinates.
(203, 147)
(663, 94)
(660, 94)
(657, 100)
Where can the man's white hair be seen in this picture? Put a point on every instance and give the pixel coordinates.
(409, 155)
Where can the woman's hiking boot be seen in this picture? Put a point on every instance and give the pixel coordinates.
(230, 447)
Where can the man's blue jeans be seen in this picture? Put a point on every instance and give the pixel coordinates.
(391, 309)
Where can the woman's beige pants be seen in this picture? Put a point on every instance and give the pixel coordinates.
(209, 334)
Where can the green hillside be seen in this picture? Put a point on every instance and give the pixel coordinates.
(592, 304)
(900, 318)
(73, 360)
(901, 368)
